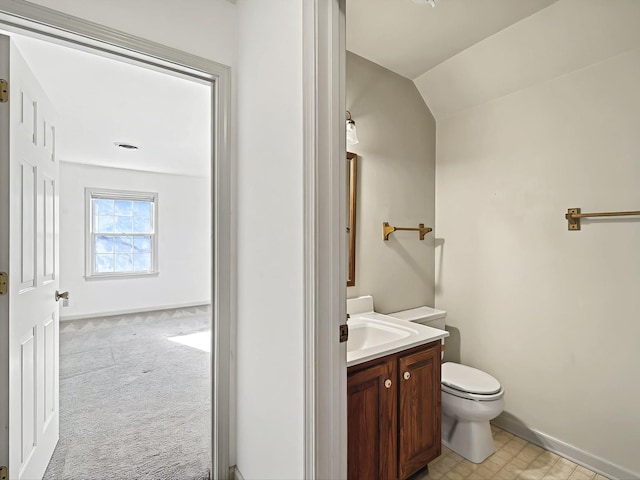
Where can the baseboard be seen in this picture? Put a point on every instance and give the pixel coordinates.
(597, 464)
(235, 473)
(86, 316)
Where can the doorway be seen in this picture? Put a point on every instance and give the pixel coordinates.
(217, 77)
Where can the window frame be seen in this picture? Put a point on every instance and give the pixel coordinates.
(126, 195)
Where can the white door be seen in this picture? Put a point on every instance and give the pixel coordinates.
(32, 181)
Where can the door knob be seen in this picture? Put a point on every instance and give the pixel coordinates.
(63, 295)
(407, 375)
(387, 383)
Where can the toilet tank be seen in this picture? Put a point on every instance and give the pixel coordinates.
(431, 317)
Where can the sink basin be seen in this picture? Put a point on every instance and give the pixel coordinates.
(373, 335)
(368, 333)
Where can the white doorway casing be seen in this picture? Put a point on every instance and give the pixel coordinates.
(325, 238)
(21, 17)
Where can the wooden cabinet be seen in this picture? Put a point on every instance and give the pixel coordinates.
(393, 413)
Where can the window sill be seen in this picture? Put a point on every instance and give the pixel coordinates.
(119, 276)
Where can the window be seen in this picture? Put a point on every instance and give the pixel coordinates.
(121, 237)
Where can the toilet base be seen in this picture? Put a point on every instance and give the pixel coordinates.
(472, 440)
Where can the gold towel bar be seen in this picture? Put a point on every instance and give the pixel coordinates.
(388, 230)
(574, 215)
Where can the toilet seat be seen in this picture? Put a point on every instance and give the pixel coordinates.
(471, 383)
(473, 396)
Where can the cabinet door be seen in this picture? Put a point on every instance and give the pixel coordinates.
(372, 423)
(419, 412)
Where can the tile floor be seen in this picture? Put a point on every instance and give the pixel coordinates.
(514, 459)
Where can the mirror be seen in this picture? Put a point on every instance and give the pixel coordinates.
(352, 163)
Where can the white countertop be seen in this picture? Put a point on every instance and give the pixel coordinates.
(413, 335)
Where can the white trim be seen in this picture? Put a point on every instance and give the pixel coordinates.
(4, 264)
(588, 460)
(325, 241)
(128, 311)
(309, 127)
(54, 26)
(235, 473)
(118, 275)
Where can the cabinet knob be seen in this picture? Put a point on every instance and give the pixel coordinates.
(406, 375)
(387, 383)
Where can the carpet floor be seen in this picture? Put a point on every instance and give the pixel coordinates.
(133, 404)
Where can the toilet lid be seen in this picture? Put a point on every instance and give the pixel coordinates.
(468, 379)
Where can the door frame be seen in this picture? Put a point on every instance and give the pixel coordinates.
(325, 239)
(50, 25)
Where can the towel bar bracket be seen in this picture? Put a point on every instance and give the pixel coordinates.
(574, 222)
(574, 215)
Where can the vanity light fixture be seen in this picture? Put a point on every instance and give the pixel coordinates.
(352, 137)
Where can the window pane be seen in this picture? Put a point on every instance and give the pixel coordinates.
(142, 262)
(142, 245)
(142, 225)
(142, 209)
(104, 224)
(123, 207)
(122, 231)
(124, 224)
(123, 244)
(104, 263)
(104, 245)
(102, 206)
(124, 262)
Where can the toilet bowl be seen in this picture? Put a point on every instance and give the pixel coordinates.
(471, 398)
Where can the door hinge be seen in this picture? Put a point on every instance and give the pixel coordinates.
(3, 473)
(4, 280)
(344, 332)
(4, 91)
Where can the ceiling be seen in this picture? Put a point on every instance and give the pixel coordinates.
(100, 101)
(411, 39)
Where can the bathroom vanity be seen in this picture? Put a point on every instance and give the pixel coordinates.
(394, 413)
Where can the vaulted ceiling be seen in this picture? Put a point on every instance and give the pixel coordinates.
(464, 53)
(410, 39)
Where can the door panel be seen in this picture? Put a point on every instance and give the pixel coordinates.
(419, 422)
(49, 383)
(48, 248)
(27, 388)
(32, 222)
(371, 423)
(27, 240)
(49, 139)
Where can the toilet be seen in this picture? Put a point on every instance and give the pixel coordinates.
(471, 398)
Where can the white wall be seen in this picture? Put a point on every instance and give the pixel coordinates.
(553, 314)
(270, 360)
(184, 243)
(396, 184)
